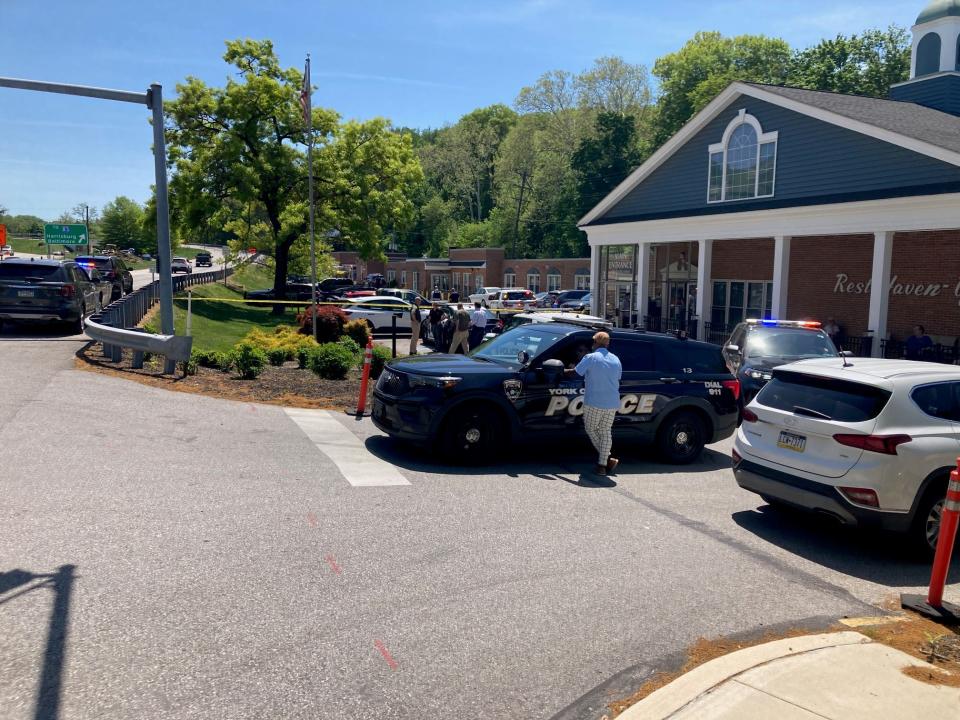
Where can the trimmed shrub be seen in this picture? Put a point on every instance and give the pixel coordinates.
(358, 331)
(330, 322)
(189, 367)
(379, 359)
(351, 345)
(332, 361)
(277, 356)
(212, 359)
(285, 337)
(303, 355)
(248, 359)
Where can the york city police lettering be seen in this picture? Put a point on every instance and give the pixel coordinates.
(562, 401)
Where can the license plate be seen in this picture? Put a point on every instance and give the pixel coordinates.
(24, 293)
(792, 441)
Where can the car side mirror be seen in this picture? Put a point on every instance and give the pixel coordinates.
(733, 349)
(846, 353)
(552, 370)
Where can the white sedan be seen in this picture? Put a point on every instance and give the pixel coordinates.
(378, 311)
(483, 295)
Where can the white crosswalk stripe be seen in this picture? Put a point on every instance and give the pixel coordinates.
(346, 450)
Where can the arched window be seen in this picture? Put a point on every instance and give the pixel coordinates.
(509, 277)
(743, 164)
(533, 280)
(928, 54)
(581, 279)
(553, 280)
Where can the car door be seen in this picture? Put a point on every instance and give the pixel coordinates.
(642, 385)
(547, 404)
(126, 277)
(88, 290)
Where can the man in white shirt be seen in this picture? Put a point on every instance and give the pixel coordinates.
(478, 325)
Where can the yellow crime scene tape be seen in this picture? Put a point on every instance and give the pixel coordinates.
(359, 306)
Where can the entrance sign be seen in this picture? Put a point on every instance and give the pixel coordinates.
(65, 234)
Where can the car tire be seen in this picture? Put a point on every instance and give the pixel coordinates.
(76, 326)
(471, 435)
(681, 438)
(926, 523)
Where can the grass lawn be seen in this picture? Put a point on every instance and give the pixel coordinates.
(220, 325)
(253, 276)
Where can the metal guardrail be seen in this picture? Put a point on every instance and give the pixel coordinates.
(115, 326)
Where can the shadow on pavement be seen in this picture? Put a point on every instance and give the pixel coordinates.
(541, 460)
(17, 583)
(883, 558)
(45, 331)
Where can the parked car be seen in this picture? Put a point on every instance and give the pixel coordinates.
(34, 290)
(6, 251)
(546, 299)
(358, 291)
(179, 264)
(203, 259)
(403, 294)
(333, 285)
(526, 318)
(571, 295)
(378, 311)
(580, 305)
(868, 442)
(113, 269)
(106, 286)
(294, 291)
(676, 394)
(483, 295)
(755, 347)
(512, 299)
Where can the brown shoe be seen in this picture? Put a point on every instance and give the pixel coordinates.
(600, 470)
(612, 464)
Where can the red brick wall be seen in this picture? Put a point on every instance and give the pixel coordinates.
(742, 259)
(928, 263)
(566, 266)
(815, 263)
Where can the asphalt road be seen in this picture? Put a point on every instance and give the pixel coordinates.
(166, 555)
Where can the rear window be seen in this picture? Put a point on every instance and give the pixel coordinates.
(17, 271)
(685, 357)
(827, 398)
(519, 295)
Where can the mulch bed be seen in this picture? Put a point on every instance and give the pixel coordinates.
(287, 385)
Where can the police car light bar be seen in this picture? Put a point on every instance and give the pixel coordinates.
(785, 323)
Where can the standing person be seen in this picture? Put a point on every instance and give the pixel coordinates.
(478, 325)
(416, 317)
(831, 328)
(918, 343)
(436, 317)
(454, 295)
(601, 371)
(461, 330)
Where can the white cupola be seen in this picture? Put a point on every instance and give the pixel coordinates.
(936, 39)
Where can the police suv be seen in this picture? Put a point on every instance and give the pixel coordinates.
(675, 393)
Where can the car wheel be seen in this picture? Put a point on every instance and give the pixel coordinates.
(471, 434)
(926, 524)
(681, 438)
(76, 327)
(116, 294)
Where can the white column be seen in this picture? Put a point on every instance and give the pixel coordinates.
(704, 289)
(643, 281)
(781, 276)
(595, 279)
(880, 288)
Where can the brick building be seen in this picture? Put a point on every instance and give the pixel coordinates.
(789, 203)
(471, 268)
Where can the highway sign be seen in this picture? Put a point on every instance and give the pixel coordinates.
(3, 235)
(65, 234)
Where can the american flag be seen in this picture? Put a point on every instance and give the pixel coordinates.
(305, 93)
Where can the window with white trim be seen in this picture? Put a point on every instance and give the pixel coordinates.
(533, 281)
(403, 278)
(743, 164)
(416, 281)
(478, 281)
(391, 276)
(509, 279)
(737, 300)
(553, 281)
(581, 281)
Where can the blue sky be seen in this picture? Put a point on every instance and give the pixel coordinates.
(422, 64)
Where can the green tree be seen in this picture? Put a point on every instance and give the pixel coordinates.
(866, 64)
(516, 170)
(691, 77)
(605, 159)
(122, 224)
(238, 165)
(614, 85)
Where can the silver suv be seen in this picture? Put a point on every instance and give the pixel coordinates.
(868, 442)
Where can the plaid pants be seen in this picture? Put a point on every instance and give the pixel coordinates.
(599, 424)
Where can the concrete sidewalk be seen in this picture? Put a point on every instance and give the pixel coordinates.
(841, 675)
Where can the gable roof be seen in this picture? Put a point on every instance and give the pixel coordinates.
(914, 127)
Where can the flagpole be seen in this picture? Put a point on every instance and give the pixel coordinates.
(313, 244)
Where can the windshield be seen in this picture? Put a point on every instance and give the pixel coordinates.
(505, 347)
(789, 342)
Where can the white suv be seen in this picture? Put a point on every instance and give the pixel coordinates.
(483, 295)
(868, 442)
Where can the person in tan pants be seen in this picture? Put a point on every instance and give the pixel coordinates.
(461, 330)
(416, 317)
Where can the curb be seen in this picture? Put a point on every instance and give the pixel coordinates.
(669, 699)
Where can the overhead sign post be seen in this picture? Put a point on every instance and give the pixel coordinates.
(54, 234)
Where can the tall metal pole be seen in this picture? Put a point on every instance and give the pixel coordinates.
(86, 212)
(163, 217)
(308, 111)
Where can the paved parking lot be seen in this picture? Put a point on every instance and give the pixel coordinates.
(212, 559)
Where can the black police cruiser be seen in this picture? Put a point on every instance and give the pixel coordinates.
(756, 347)
(675, 393)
